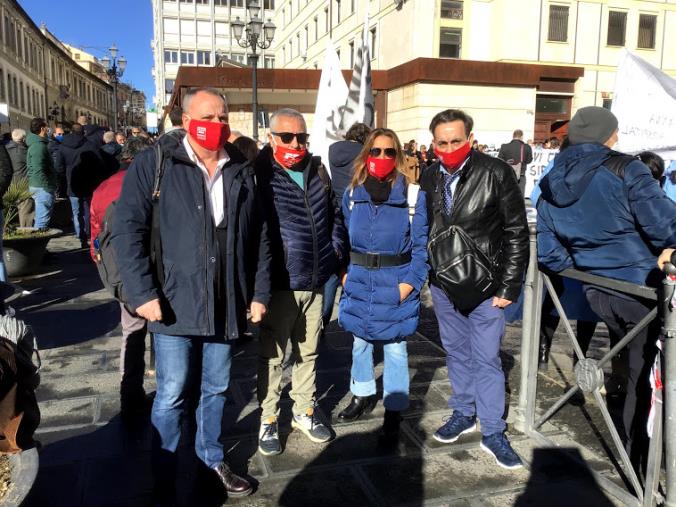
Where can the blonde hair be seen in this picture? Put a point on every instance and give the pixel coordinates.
(360, 171)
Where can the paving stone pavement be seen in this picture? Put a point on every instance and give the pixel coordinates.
(89, 458)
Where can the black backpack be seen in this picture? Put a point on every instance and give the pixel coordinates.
(105, 255)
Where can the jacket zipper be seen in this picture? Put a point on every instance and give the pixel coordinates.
(205, 217)
(315, 254)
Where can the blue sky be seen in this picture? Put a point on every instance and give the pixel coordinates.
(95, 25)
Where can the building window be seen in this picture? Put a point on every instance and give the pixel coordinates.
(269, 62)
(202, 2)
(316, 28)
(373, 43)
(170, 56)
(351, 46)
(2, 84)
(187, 58)
(558, 23)
(352, 7)
(221, 3)
(307, 38)
(186, 1)
(237, 3)
(269, 4)
(450, 41)
(22, 96)
(647, 28)
(451, 9)
(238, 57)
(298, 43)
(617, 25)
(608, 103)
(169, 85)
(204, 58)
(326, 20)
(550, 105)
(337, 12)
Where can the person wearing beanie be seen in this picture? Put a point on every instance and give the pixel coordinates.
(602, 212)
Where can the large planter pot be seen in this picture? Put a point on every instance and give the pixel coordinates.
(23, 256)
(24, 471)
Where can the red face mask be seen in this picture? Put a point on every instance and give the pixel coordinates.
(210, 135)
(380, 167)
(288, 157)
(454, 159)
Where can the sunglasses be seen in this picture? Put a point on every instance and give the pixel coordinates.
(287, 137)
(389, 152)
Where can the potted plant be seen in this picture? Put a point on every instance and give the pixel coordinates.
(24, 248)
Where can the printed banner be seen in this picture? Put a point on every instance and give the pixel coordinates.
(534, 170)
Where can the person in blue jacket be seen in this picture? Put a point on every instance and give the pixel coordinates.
(602, 212)
(386, 219)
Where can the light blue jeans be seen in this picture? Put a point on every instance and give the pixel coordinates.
(175, 360)
(395, 374)
(44, 202)
(80, 209)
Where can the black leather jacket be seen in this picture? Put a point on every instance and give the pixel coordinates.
(489, 208)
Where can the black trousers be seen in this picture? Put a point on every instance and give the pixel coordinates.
(621, 315)
(549, 322)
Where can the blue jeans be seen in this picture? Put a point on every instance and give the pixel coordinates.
(472, 345)
(44, 202)
(330, 289)
(395, 374)
(80, 209)
(175, 357)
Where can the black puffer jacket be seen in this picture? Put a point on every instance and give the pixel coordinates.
(341, 162)
(307, 234)
(489, 207)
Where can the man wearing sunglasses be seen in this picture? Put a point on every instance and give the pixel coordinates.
(308, 244)
(478, 252)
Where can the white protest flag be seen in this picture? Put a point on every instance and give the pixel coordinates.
(330, 102)
(359, 105)
(645, 106)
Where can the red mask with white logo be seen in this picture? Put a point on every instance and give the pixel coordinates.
(210, 135)
(288, 157)
(380, 168)
(454, 159)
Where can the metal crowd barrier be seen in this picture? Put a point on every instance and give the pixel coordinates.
(589, 379)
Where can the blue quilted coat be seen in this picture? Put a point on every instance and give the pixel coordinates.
(370, 307)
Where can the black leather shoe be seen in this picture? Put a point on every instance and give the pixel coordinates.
(234, 485)
(359, 405)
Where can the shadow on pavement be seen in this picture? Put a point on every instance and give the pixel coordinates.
(572, 484)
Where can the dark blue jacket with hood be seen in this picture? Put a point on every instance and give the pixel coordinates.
(598, 221)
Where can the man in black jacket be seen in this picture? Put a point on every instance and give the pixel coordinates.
(308, 240)
(517, 153)
(85, 170)
(478, 250)
(214, 263)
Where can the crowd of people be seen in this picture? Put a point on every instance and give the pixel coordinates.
(207, 231)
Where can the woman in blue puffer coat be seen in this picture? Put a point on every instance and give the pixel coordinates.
(386, 220)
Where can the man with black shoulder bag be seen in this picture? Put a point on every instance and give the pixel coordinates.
(478, 253)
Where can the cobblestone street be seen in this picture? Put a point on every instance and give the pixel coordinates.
(89, 458)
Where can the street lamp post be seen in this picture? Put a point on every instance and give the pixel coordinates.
(256, 35)
(114, 68)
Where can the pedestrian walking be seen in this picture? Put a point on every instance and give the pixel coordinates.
(386, 219)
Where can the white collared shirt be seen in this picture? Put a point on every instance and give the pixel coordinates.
(214, 184)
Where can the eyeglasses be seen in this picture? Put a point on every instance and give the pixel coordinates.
(389, 152)
(287, 137)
